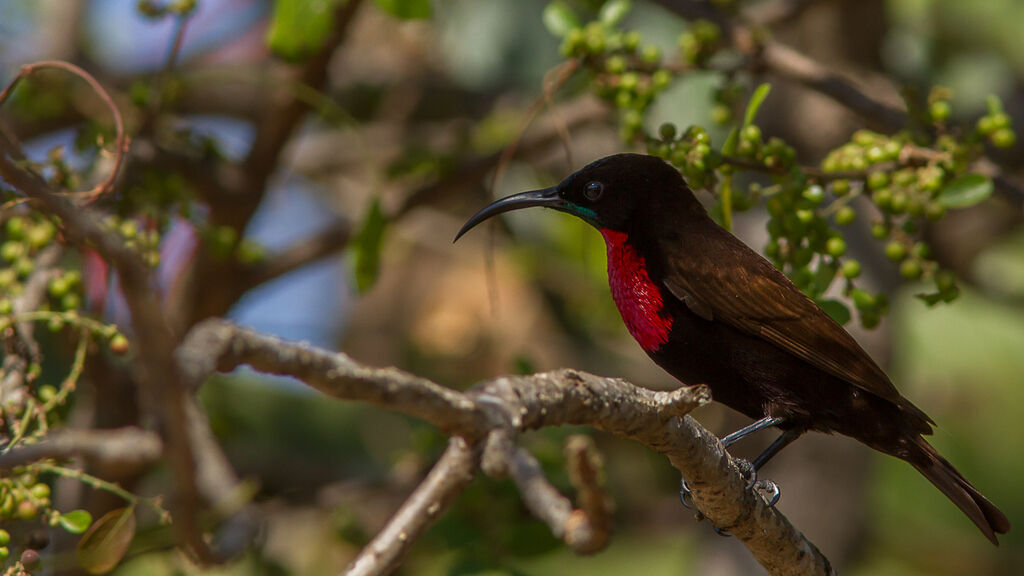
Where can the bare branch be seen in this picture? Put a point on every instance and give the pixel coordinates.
(120, 447)
(589, 528)
(428, 502)
(656, 419)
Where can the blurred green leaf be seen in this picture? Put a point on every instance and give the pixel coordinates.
(929, 298)
(837, 310)
(107, 541)
(76, 521)
(967, 190)
(368, 247)
(406, 9)
(559, 18)
(614, 11)
(755, 103)
(298, 28)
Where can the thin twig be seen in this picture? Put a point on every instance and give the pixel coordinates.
(121, 139)
(425, 506)
(131, 446)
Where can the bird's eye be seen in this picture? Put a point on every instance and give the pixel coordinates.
(593, 190)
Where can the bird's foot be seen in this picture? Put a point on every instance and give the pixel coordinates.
(747, 470)
(767, 489)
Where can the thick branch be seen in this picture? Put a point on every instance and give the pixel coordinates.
(655, 419)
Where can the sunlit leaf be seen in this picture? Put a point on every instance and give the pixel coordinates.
(406, 9)
(559, 18)
(299, 28)
(76, 521)
(755, 103)
(965, 191)
(367, 265)
(107, 541)
(614, 11)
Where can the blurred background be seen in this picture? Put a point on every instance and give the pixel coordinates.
(400, 142)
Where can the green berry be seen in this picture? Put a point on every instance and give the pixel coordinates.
(863, 299)
(58, 287)
(870, 319)
(71, 301)
(5, 537)
(615, 65)
(986, 125)
(629, 81)
(661, 79)
(878, 180)
(945, 280)
(27, 510)
(11, 250)
(939, 111)
(814, 194)
(5, 306)
(15, 228)
(55, 324)
(40, 491)
(1003, 138)
(1000, 120)
(875, 154)
(47, 393)
(751, 133)
(898, 205)
(650, 54)
(835, 247)
(721, 114)
(4, 553)
(805, 216)
(920, 250)
(880, 230)
(851, 269)
(910, 269)
(895, 251)
(882, 198)
(934, 210)
(119, 344)
(841, 187)
(845, 216)
(667, 131)
(630, 40)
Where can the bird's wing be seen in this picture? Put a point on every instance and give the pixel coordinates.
(756, 298)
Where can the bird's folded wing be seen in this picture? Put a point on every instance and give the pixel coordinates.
(756, 298)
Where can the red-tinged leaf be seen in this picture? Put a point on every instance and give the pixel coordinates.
(107, 540)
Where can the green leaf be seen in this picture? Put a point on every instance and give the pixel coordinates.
(75, 521)
(966, 190)
(406, 9)
(559, 18)
(107, 541)
(837, 310)
(299, 28)
(755, 103)
(729, 148)
(367, 266)
(614, 11)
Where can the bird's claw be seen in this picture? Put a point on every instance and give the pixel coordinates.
(721, 531)
(769, 491)
(686, 497)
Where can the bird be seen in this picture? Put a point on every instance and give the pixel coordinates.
(710, 310)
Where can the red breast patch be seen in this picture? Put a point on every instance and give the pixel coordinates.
(637, 297)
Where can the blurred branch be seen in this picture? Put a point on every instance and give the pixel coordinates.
(425, 506)
(515, 404)
(320, 245)
(152, 335)
(124, 446)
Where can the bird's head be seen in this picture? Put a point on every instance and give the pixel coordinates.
(610, 193)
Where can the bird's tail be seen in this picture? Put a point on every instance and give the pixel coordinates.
(941, 473)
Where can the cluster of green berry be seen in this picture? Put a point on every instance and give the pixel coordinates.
(627, 72)
(143, 238)
(24, 497)
(23, 238)
(700, 42)
(690, 152)
(996, 125)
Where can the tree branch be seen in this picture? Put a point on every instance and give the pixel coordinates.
(425, 506)
(120, 447)
(656, 419)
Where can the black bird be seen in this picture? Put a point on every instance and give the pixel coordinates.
(708, 309)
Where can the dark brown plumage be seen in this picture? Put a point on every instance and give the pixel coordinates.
(708, 309)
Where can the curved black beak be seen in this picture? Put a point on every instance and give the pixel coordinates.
(547, 197)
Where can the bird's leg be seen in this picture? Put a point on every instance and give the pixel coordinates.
(785, 439)
(766, 422)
